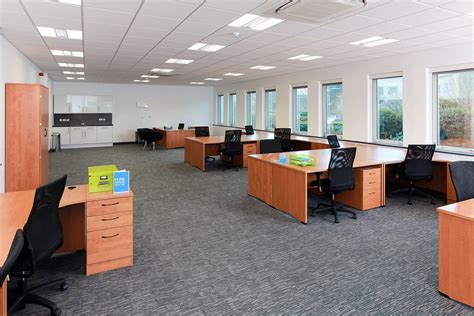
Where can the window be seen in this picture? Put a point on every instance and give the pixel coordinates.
(388, 109)
(232, 108)
(454, 107)
(220, 109)
(270, 109)
(300, 109)
(251, 107)
(332, 108)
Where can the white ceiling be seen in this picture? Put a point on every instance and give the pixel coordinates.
(124, 39)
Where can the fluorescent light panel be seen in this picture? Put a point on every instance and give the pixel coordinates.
(260, 67)
(59, 33)
(374, 41)
(213, 79)
(74, 2)
(71, 65)
(161, 70)
(234, 74)
(141, 80)
(305, 57)
(179, 61)
(150, 76)
(196, 82)
(73, 72)
(206, 47)
(66, 53)
(255, 22)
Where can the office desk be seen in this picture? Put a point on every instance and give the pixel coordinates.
(456, 251)
(174, 138)
(100, 223)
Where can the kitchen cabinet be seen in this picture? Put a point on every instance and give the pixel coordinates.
(77, 103)
(104, 134)
(83, 135)
(90, 104)
(105, 103)
(61, 105)
(83, 104)
(65, 134)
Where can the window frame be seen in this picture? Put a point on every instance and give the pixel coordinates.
(324, 106)
(249, 92)
(293, 106)
(435, 110)
(375, 113)
(267, 117)
(232, 112)
(220, 110)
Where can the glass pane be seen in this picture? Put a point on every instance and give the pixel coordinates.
(251, 106)
(389, 109)
(270, 109)
(455, 108)
(333, 103)
(300, 109)
(232, 109)
(220, 109)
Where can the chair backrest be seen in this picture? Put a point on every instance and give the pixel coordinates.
(181, 126)
(333, 141)
(462, 174)
(152, 136)
(418, 161)
(270, 146)
(43, 230)
(13, 254)
(201, 131)
(249, 130)
(283, 134)
(233, 136)
(340, 170)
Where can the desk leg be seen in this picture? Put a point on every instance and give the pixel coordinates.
(195, 154)
(74, 229)
(3, 299)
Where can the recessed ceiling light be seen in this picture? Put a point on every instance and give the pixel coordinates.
(150, 76)
(233, 74)
(179, 61)
(260, 67)
(161, 70)
(255, 22)
(59, 33)
(374, 41)
(206, 47)
(145, 80)
(213, 79)
(73, 72)
(80, 78)
(196, 82)
(70, 78)
(136, 80)
(71, 65)
(66, 53)
(305, 57)
(74, 2)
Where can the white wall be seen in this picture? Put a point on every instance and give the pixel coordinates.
(357, 113)
(14, 68)
(167, 105)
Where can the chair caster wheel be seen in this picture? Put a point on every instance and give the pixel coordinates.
(410, 203)
(354, 216)
(63, 286)
(336, 221)
(433, 202)
(56, 312)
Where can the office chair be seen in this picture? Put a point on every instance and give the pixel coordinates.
(43, 235)
(268, 146)
(284, 134)
(340, 179)
(249, 130)
(203, 131)
(333, 141)
(13, 254)
(151, 137)
(416, 167)
(462, 175)
(181, 126)
(140, 132)
(232, 146)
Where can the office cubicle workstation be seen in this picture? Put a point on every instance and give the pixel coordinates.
(236, 157)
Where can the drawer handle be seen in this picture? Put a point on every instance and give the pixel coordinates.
(372, 173)
(370, 193)
(111, 236)
(372, 182)
(110, 219)
(110, 204)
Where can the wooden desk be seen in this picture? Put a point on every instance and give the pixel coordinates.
(456, 251)
(100, 223)
(174, 138)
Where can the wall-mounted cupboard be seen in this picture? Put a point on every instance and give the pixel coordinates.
(64, 104)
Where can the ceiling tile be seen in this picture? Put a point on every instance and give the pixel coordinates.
(426, 17)
(396, 9)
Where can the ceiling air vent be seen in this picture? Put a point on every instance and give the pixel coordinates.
(310, 11)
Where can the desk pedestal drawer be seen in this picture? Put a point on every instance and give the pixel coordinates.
(100, 222)
(109, 206)
(109, 244)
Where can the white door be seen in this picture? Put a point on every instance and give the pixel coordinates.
(77, 103)
(105, 134)
(77, 135)
(90, 135)
(61, 105)
(105, 103)
(90, 104)
(65, 134)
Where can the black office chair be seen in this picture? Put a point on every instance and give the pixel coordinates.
(140, 132)
(43, 235)
(13, 254)
(416, 167)
(151, 137)
(270, 146)
(181, 126)
(203, 131)
(232, 146)
(340, 179)
(284, 134)
(249, 130)
(333, 141)
(462, 175)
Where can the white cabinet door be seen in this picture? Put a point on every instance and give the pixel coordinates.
(77, 135)
(105, 103)
(77, 103)
(90, 135)
(61, 105)
(65, 134)
(90, 104)
(105, 134)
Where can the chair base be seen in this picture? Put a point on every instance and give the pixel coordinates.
(210, 158)
(411, 190)
(230, 164)
(146, 145)
(334, 209)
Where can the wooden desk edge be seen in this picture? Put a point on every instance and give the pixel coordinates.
(452, 209)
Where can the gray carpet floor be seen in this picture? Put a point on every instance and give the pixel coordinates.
(203, 246)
